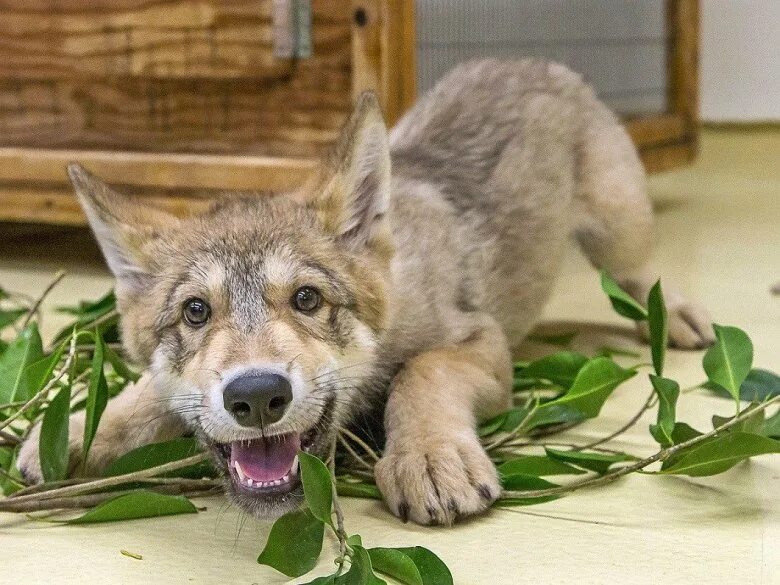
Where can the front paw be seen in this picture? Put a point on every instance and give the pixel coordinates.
(436, 480)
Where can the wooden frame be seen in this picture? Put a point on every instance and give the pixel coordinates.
(671, 139)
(33, 182)
(34, 185)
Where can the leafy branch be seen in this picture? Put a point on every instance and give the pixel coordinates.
(81, 370)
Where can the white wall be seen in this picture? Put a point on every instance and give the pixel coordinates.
(740, 60)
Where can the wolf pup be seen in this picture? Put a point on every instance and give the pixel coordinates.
(267, 323)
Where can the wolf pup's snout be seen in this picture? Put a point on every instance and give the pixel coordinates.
(258, 399)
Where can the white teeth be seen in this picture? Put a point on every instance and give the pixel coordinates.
(239, 471)
(248, 481)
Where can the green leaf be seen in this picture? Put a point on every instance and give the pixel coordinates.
(10, 316)
(492, 425)
(358, 490)
(595, 461)
(721, 453)
(294, 543)
(396, 564)
(658, 322)
(514, 417)
(36, 375)
(432, 569)
(97, 397)
(683, 432)
(667, 391)
(751, 424)
(559, 368)
(759, 385)
(135, 505)
(727, 363)
(87, 313)
(53, 446)
(554, 413)
(103, 305)
(354, 540)
(537, 465)
(317, 486)
(26, 349)
(120, 367)
(771, 426)
(160, 453)
(621, 301)
(360, 571)
(524, 482)
(594, 383)
(8, 464)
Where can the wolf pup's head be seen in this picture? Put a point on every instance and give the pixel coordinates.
(260, 318)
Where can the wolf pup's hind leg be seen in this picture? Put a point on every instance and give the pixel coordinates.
(615, 231)
(434, 468)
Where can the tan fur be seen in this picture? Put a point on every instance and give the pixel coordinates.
(429, 273)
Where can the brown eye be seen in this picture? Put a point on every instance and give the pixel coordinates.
(196, 312)
(306, 299)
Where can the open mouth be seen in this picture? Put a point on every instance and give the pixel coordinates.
(266, 465)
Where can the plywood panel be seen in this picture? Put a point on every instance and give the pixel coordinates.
(164, 38)
(195, 108)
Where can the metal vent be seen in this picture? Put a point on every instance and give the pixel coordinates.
(618, 45)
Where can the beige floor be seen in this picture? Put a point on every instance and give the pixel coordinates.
(718, 239)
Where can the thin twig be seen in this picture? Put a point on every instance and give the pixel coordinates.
(374, 455)
(341, 534)
(554, 429)
(10, 437)
(99, 484)
(49, 485)
(11, 478)
(662, 455)
(355, 455)
(647, 406)
(90, 500)
(515, 432)
(37, 305)
(100, 320)
(510, 447)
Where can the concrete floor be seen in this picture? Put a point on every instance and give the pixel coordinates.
(718, 240)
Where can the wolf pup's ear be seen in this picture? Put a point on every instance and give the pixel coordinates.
(353, 194)
(125, 229)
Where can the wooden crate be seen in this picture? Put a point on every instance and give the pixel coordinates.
(179, 99)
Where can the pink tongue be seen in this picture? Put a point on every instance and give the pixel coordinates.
(266, 459)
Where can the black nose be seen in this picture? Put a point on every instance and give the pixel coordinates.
(258, 398)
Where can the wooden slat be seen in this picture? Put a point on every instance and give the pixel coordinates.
(157, 170)
(295, 115)
(59, 206)
(683, 63)
(668, 156)
(162, 39)
(651, 130)
(366, 46)
(398, 59)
